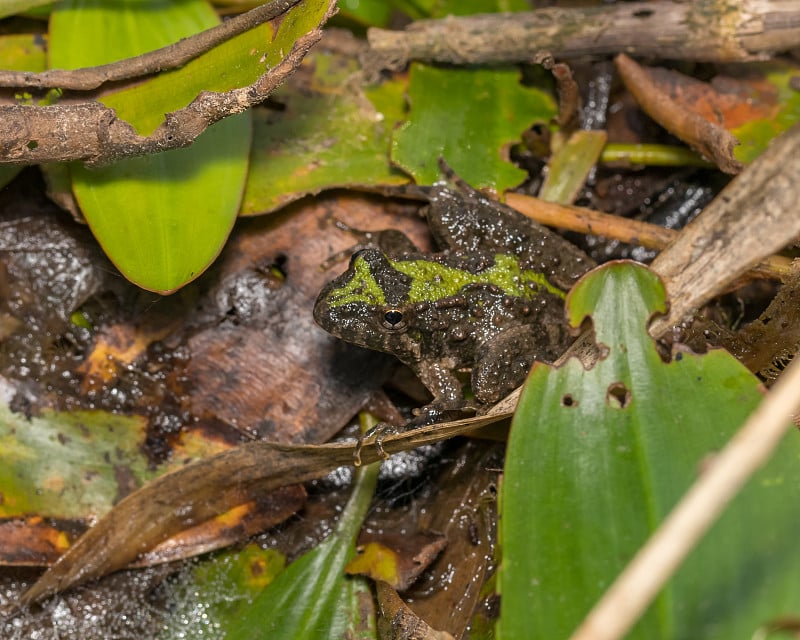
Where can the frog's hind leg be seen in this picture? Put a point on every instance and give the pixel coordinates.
(502, 364)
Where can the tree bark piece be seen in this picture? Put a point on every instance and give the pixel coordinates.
(707, 30)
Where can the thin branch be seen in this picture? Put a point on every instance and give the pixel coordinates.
(708, 30)
(169, 57)
(645, 234)
(92, 133)
(750, 448)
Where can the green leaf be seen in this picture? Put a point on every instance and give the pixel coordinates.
(77, 465)
(163, 219)
(313, 598)
(378, 13)
(443, 8)
(597, 458)
(219, 586)
(373, 13)
(571, 165)
(328, 134)
(63, 465)
(22, 52)
(469, 117)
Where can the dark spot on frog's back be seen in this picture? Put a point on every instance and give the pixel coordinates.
(455, 215)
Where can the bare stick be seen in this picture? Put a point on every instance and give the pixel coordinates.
(92, 133)
(750, 448)
(169, 57)
(709, 30)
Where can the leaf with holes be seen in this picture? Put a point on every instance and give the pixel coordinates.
(597, 458)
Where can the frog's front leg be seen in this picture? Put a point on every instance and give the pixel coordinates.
(448, 397)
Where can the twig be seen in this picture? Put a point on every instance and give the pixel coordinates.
(652, 236)
(750, 448)
(169, 57)
(708, 30)
(92, 133)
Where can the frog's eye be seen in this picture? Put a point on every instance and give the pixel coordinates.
(393, 319)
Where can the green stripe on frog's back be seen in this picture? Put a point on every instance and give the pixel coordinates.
(431, 281)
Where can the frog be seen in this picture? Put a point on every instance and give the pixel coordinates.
(488, 301)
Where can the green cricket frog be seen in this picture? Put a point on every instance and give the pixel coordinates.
(490, 301)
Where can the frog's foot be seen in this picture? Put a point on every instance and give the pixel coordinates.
(377, 434)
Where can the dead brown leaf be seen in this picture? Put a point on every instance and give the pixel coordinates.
(656, 94)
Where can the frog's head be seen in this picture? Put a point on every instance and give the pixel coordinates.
(366, 305)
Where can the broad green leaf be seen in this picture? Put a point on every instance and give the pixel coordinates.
(470, 117)
(597, 458)
(313, 598)
(162, 219)
(327, 135)
(235, 63)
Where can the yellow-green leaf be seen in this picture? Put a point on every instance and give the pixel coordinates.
(328, 134)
